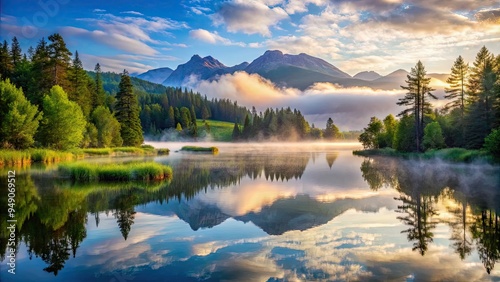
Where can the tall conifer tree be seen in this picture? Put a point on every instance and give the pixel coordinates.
(127, 112)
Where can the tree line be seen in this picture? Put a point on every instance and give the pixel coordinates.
(470, 119)
(282, 124)
(49, 100)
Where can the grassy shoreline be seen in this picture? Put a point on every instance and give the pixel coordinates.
(47, 156)
(454, 155)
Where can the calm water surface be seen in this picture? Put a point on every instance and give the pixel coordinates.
(261, 213)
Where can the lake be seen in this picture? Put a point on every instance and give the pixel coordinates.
(260, 212)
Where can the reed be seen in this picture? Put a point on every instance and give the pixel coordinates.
(87, 172)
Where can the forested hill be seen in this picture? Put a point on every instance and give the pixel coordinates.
(111, 80)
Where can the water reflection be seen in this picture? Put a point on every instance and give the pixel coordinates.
(269, 215)
(474, 191)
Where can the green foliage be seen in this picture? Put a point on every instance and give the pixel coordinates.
(78, 86)
(331, 130)
(87, 172)
(370, 136)
(390, 127)
(236, 132)
(185, 120)
(108, 128)
(433, 136)
(89, 136)
(404, 139)
(492, 143)
(316, 133)
(63, 122)
(19, 120)
(127, 113)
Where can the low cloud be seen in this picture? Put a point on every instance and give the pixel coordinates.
(351, 108)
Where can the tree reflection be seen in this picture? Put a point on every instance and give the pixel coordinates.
(474, 194)
(419, 212)
(462, 243)
(486, 233)
(125, 213)
(331, 158)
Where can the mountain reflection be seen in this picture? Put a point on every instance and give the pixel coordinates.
(473, 194)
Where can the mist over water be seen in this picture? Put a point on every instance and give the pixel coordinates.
(293, 211)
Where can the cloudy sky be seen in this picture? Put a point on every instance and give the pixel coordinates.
(380, 35)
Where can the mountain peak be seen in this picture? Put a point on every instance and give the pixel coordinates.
(367, 75)
(273, 52)
(274, 59)
(195, 57)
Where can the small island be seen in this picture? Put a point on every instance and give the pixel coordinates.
(213, 150)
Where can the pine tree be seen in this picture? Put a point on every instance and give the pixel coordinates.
(171, 118)
(15, 52)
(480, 118)
(42, 81)
(331, 130)
(193, 126)
(6, 67)
(458, 85)
(415, 99)
(99, 94)
(236, 132)
(457, 93)
(78, 86)
(247, 128)
(60, 58)
(127, 113)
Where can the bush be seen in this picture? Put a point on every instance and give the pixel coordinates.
(492, 143)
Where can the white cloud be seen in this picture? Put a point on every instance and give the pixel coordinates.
(133, 13)
(99, 11)
(250, 17)
(212, 37)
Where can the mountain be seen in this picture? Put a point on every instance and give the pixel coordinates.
(197, 67)
(272, 60)
(367, 75)
(441, 76)
(156, 75)
(227, 70)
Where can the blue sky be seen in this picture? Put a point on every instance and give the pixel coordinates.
(380, 35)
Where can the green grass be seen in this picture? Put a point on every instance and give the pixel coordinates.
(87, 172)
(46, 156)
(219, 130)
(140, 151)
(26, 157)
(456, 155)
(14, 158)
(213, 150)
